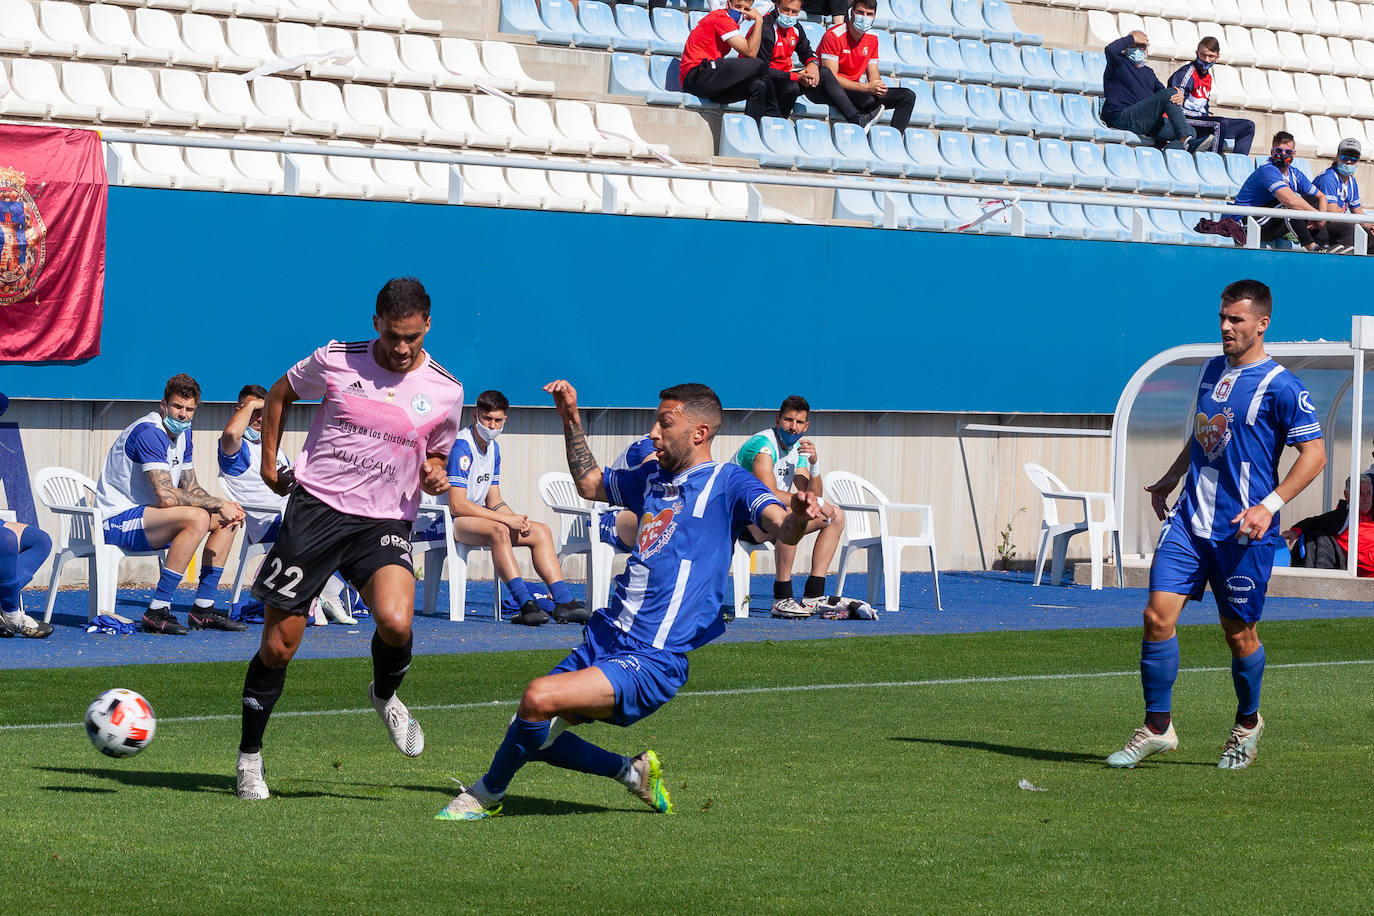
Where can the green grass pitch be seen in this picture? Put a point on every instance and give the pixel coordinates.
(878, 797)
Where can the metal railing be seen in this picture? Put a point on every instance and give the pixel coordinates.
(1013, 197)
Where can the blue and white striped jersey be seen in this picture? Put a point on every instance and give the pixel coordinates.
(671, 591)
(470, 468)
(143, 446)
(1244, 417)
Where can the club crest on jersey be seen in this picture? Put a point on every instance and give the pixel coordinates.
(1213, 433)
(23, 238)
(421, 405)
(655, 531)
(1223, 389)
(464, 462)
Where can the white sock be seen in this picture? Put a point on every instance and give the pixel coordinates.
(204, 603)
(628, 776)
(478, 790)
(156, 605)
(333, 588)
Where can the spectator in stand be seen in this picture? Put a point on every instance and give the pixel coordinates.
(849, 80)
(1137, 101)
(1278, 183)
(819, 9)
(782, 39)
(1342, 193)
(1195, 81)
(1323, 541)
(708, 73)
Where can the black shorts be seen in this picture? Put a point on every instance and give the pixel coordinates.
(827, 8)
(316, 539)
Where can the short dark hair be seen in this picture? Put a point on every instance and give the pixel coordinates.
(866, 4)
(1283, 136)
(698, 400)
(1208, 43)
(252, 391)
(491, 400)
(401, 298)
(794, 402)
(1261, 300)
(181, 385)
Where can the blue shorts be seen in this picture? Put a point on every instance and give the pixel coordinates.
(125, 530)
(608, 534)
(1238, 573)
(644, 678)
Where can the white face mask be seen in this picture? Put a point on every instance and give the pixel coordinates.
(486, 433)
(862, 24)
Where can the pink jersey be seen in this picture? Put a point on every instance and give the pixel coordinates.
(366, 449)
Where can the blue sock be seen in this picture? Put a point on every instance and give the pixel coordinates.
(1158, 671)
(33, 547)
(521, 743)
(1246, 674)
(573, 753)
(9, 570)
(167, 584)
(209, 585)
(560, 593)
(519, 591)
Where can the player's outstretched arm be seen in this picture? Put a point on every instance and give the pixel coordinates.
(1161, 489)
(788, 526)
(582, 465)
(1254, 521)
(279, 398)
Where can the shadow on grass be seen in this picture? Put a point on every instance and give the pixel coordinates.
(80, 790)
(1032, 753)
(525, 806)
(183, 782)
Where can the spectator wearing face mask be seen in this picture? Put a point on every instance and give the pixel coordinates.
(1194, 80)
(481, 517)
(1342, 193)
(1135, 99)
(1278, 183)
(849, 80)
(782, 42)
(709, 74)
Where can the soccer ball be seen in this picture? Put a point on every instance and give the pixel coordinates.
(120, 723)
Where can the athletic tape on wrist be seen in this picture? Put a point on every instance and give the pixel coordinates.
(1273, 502)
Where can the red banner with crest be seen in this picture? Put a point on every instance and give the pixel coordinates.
(53, 195)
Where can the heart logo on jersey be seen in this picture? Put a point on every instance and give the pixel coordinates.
(1211, 432)
(656, 530)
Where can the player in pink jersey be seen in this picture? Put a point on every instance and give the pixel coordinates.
(386, 422)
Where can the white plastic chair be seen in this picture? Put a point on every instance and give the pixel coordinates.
(1327, 135)
(1267, 52)
(19, 32)
(276, 98)
(1361, 94)
(134, 87)
(71, 496)
(183, 91)
(378, 50)
(85, 84)
(400, 9)
(36, 81)
(501, 61)
(62, 23)
(420, 54)
(1236, 40)
(579, 532)
(436, 554)
(323, 101)
(1284, 92)
(740, 561)
(219, 164)
(399, 172)
(864, 503)
(228, 93)
(110, 26)
(1252, 13)
(1315, 49)
(248, 38)
(575, 121)
(407, 108)
(495, 117)
(11, 105)
(614, 121)
(205, 35)
(460, 57)
(158, 29)
(249, 551)
(534, 118)
(1054, 532)
(1276, 14)
(1338, 101)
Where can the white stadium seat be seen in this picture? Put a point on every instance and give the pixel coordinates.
(158, 29)
(276, 97)
(502, 62)
(109, 25)
(332, 39)
(12, 105)
(135, 87)
(168, 161)
(1161, 37)
(1284, 91)
(1336, 95)
(615, 121)
(534, 118)
(377, 50)
(461, 57)
(20, 34)
(63, 23)
(408, 108)
(1361, 96)
(1255, 87)
(183, 91)
(204, 35)
(219, 163)
(367, 105)
(1301, 128)
(228, 93)
(1276, 15)
(1236, 44)
(575, 121)
(420, 54)
(495, 117)
(260, 166)
(1266, 45)
(353, 170)
(1316, 51)
(401, 9)
(1252, 14)
(1327, 135)
(327, 13)
(85, 84)
(248, 38)
(323, 101)
(36, 81)
(405, 174)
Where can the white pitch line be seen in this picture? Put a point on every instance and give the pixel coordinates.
(739, 691)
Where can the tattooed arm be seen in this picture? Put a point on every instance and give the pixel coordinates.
(585, 469)
(189, 493)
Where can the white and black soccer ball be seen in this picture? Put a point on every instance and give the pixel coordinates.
(120, 723)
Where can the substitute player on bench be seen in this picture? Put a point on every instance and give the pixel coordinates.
(667, 602)
(1247, 408)
(383, 431)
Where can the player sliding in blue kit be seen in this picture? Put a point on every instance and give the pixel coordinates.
(1222, 531)
(633, 658)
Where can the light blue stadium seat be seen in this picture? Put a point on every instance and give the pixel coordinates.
(1039, 222)
(888, 61)
(739, 137)
(998, 16)
(1239, 166)
(666, 75)
(1016, 112)
(630, 76)
(1078, 111)
(1122, 163)
(977, 58)
(694, 18)
(906, 16)
(1039, 64)
(1092, 169)
(598, 25)
(952, 101)
(1094, 65)
(911, 48)
(814, 31)
(1211, 168)
(943, 11)
(1049, 118)
(1060, 171)
(1154, 174)
(1183, 169)
(969, 14)
(857, 206)
(889, 148)
(813, 136)
(805, 108)
(1006, 64)
(1024, 154)
(561, 16)
(1154, 231)
(1304, 166)
(963, 148)
(923, 112)
(522, 17)
(930, 212)
(968, 209)
(944, 54)
(937, 17)
(986, 107)
(781, 148)
(1068, 63)
(1106, 219)
(924, 151)
(991, 152)
(634, 24)
(852, 144)
(1072, 224)
(671, 26)
(957, 150)
(1174, 221)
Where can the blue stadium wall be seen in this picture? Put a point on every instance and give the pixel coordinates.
(233, 288)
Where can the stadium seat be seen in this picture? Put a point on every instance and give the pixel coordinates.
(1361, 96)
(109, 25)
(1155, 175)
(1051, 110)
(576, 122)
(814, 141)
(158, 29)
(1327, 135)
(1162, 42)
(997, 14)
(739, 136)
(62, 24)
(436, 554)
(937, 18)
(990, 158)
(1266, 45)
(1007, 64)
(1055, 534)
(85, 84)
(367, 105)
(134, 87)
(923, 111)
(1092, 169)
(1024, 154)
(597, 28)
(248, 38)
(634, 24)
(323, 101)
(671, 27)
(781, 149)
(867, 527)
(1068, 68)
(578, 533)
(205, 35)
(1150, 230)
(951, 103)
(864, 207)
(1039, 67)
(460, 57)
(969, 14)
(931, 213)
(630, 76)
(615, 121)
(1238, 167)
(1070, 223)
(1060, 171)
(1283, 92)
(522, 17)
(945, 56)
(1183, 170)
(915, 54)
(20, 33)
(889, 63)
(408, 109)
(957, 150)
(1105, 219)
(1017, 117)
(218, 164)
(420, 54)
(1081, 113)
(986, 108)
(924, 151)
(1240, 51)
(343, 63)
(968, 211)
(1094, 65)
(503, 64)
(378, 51)
(494, 116)
(888, 146)
(851, 145)
(977, 62)
(275, 98)
(1332, 91)
(1251, 13)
